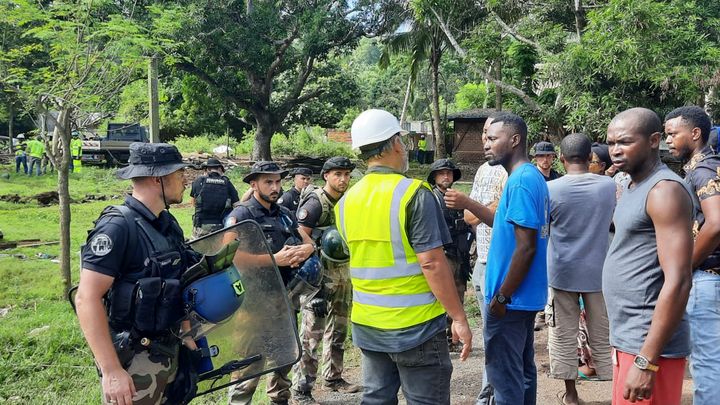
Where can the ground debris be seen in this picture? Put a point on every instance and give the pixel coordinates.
(5, 311)
(39, 330)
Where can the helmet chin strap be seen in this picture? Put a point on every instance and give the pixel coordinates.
(162, 187)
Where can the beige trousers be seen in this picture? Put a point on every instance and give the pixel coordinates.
(563, 316)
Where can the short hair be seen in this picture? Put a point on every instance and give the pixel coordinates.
(513, 122)
(493, 115)
(376, 149)
(576, 148)
(694, 116)
(645, 120)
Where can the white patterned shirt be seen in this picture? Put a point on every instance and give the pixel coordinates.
(487, 188)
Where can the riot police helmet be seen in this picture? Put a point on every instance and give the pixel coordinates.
(333, 247)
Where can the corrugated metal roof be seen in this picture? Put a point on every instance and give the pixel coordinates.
(472, 114)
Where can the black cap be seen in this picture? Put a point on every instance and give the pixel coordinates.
(304, 171)
(152, 160)
(264, 167)
(603, 153)
(543, 148)
(213, 162)
(337, 162)
(442, 164)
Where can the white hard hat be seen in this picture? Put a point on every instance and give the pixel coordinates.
(373, 126)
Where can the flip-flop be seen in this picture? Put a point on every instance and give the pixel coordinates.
(582, 376)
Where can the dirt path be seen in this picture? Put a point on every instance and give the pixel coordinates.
(466, 379)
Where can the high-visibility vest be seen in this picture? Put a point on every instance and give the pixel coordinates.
(35, 148)
(389, 288)
(76, 147)
(422, 145)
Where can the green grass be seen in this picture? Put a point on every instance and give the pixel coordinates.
(44, 357)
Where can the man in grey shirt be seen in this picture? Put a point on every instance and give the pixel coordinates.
(647, 272)
(581, 208)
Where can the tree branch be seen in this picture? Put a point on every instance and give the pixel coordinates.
(517, 36)
(194, 70)
(280, 54)
(473, 63)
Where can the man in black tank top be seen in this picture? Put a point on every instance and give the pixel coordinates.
(646, 276)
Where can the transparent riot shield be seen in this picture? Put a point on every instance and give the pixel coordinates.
(260, 335)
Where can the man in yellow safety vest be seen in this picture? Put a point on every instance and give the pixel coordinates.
(402, 283)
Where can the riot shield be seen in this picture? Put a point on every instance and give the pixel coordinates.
(260, 336)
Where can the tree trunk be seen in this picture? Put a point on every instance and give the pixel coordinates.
(61, 158)
(11, 125)
(440, 151)
(498, 90)
(407, 99)
(579, 17)
(264, 132)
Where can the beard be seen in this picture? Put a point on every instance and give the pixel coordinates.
(270, 198)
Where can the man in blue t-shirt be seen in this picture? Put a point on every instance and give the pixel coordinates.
(516, 274)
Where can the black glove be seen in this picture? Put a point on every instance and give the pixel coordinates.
(319, 307)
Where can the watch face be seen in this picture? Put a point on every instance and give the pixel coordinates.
(501, 299)
(641, 362)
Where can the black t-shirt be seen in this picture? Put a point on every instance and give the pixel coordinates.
(108, 249)
(702, 173)
(553, 175)
(308, 214)
(290, 199)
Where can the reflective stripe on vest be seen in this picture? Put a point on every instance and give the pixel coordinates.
(389, 288)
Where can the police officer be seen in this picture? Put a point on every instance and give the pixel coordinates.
(133, 260)
(213, 196)
(443, 173)
(290, 249)
(301, 178)
(325, 319)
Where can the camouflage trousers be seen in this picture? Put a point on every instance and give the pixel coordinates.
(151, 373)
(460, 286)
(331, 331)
(278, 388)
(203, 230)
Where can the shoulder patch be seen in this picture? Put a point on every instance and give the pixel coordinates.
(101, 244)
(302, 214)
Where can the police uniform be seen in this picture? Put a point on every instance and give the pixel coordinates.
(316, 212)
(280, 229)
(214, 196)
(291, 198)
(458, 251)
(146, 254)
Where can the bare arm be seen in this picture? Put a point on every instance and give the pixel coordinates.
(666, 203)
(708, 238)
(437, 272)
(459, 201)
(117, 384)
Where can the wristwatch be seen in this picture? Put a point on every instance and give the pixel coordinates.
(501, 299)
(643, 363)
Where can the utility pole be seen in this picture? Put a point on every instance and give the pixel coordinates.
(153, 98)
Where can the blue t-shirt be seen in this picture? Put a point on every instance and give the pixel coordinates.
(525, 202)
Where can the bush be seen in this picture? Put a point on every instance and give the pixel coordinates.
(302, 141)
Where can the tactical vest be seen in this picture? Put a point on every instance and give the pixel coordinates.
(389, 288)
(456, 224)
(278, 231)
(147, 301)
(213, 201)
(327, 217)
